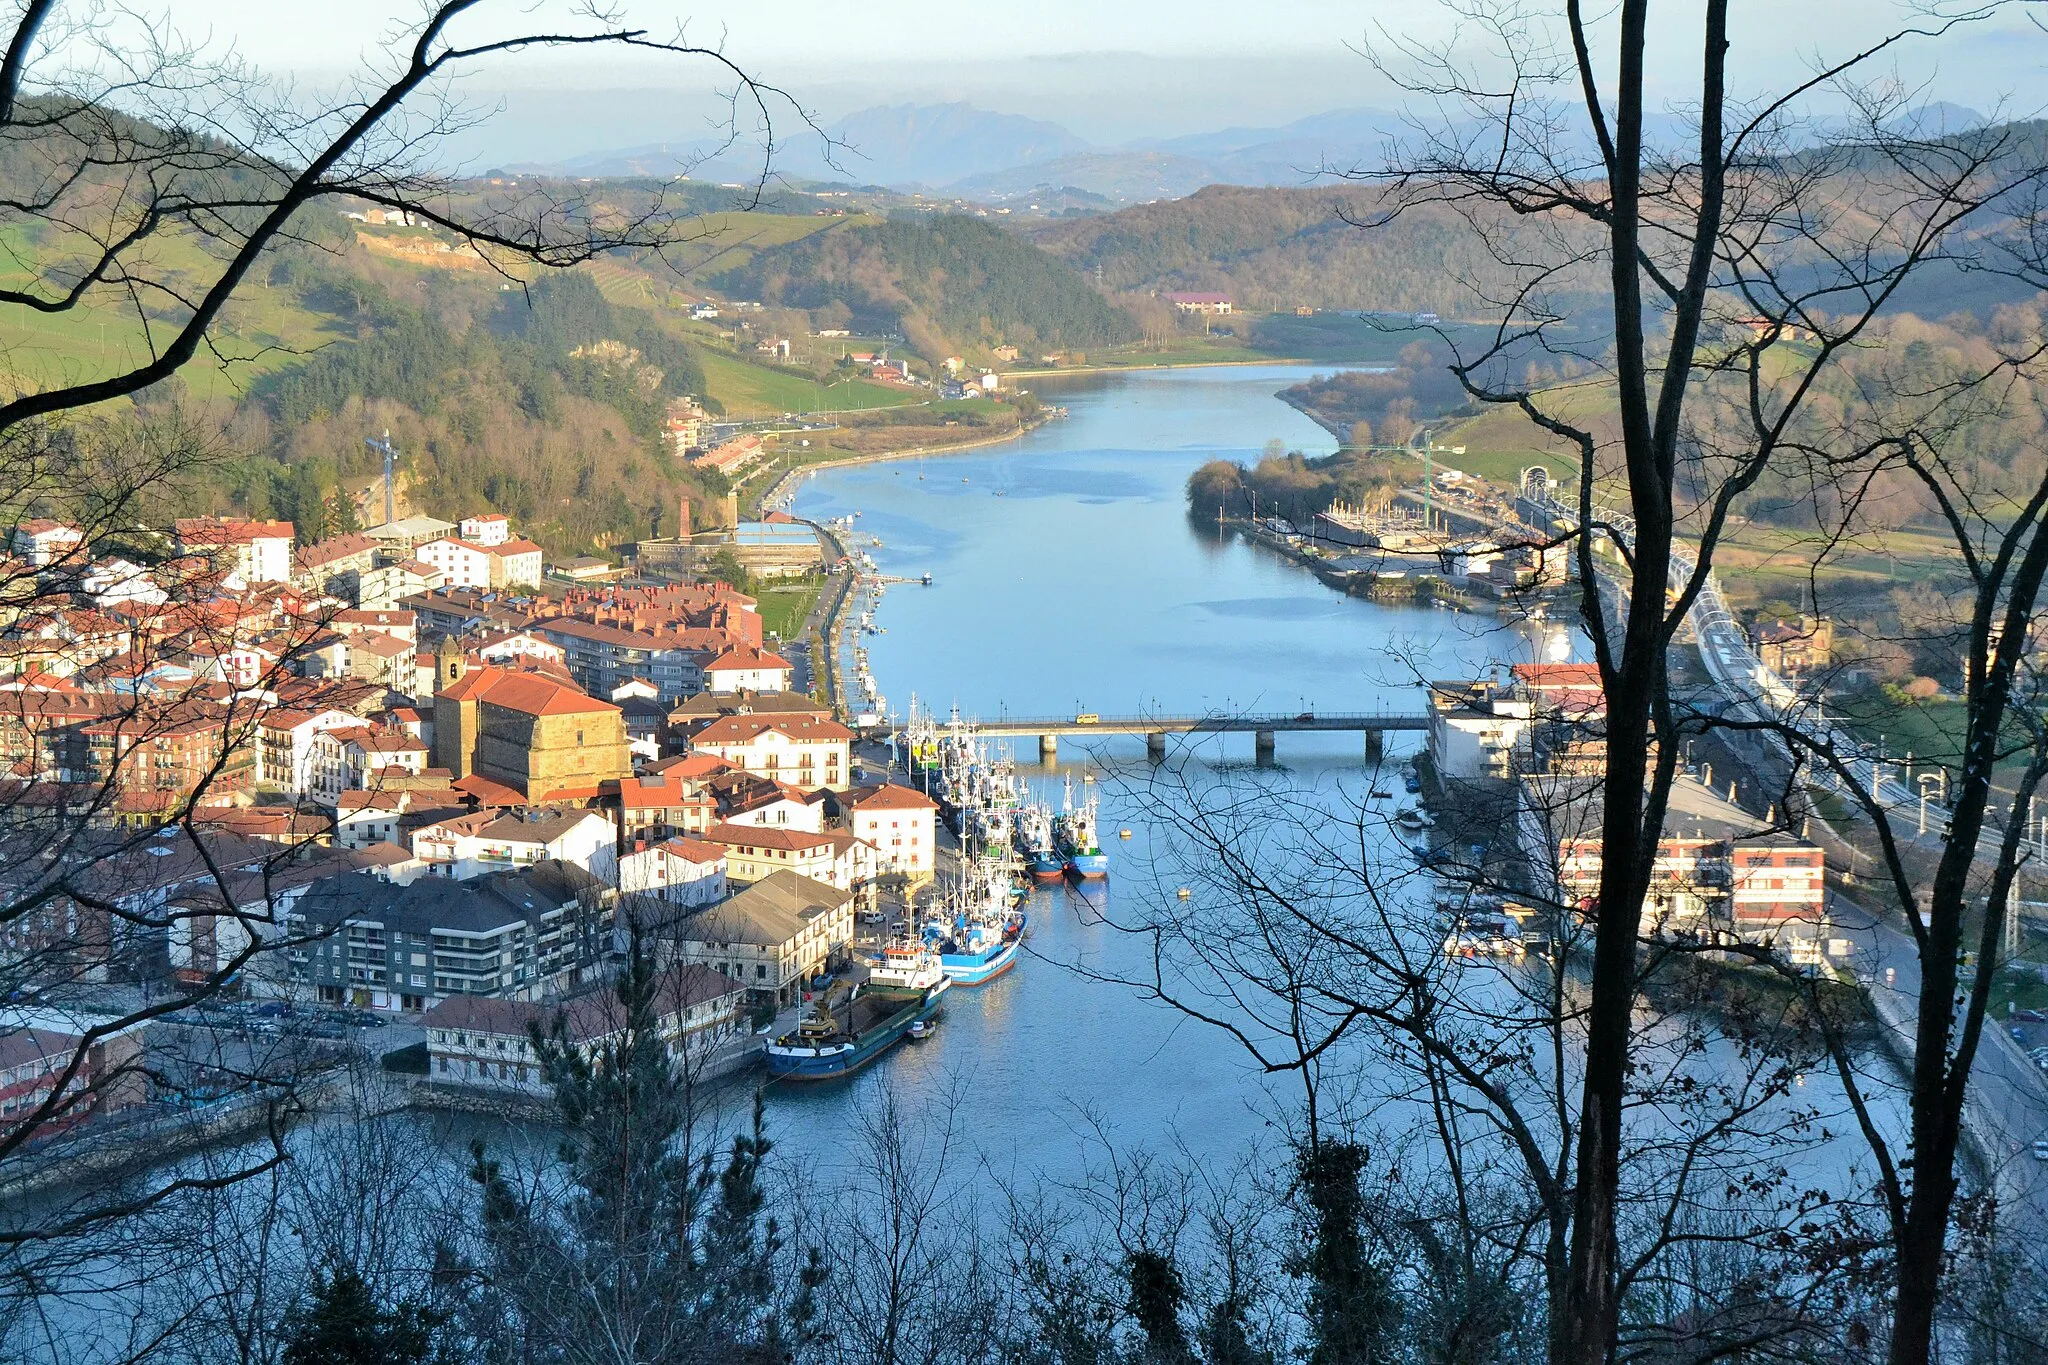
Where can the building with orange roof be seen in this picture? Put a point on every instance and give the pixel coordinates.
(748, 668)
(659, 805)
(756, 852)
(536, 734)
(259, 551)
(901, 824)
(810, 751)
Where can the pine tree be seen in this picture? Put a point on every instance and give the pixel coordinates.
(659, 1249)
(345, 1324)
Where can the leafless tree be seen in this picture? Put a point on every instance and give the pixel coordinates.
(1709, 253)
(1312, 936)
(144, 179)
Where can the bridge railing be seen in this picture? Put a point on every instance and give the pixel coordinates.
(1246, 720)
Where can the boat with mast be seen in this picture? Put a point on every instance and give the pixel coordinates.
(903, 987)
(978, 930)
(1035, 845)
(1073, 831)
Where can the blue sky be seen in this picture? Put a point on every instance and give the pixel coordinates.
(1108, 71)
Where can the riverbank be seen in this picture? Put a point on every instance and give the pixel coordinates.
(1168, 365)
(786, 484)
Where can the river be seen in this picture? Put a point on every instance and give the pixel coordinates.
(1069, 578)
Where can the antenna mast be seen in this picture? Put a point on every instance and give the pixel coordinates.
(382, 444)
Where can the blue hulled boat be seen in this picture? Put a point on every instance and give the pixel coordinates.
(902, 989)
(1073, 831)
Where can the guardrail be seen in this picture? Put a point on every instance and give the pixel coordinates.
(1221, 721)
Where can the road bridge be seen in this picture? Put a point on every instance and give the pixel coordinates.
(1262, 728)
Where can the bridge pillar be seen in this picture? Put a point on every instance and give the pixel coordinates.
(1048, 749)
(1375, 744)
(1155, 746)
(1262, 746)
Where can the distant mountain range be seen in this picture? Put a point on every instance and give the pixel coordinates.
(959, 149)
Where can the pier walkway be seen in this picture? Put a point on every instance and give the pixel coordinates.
(1262, 728)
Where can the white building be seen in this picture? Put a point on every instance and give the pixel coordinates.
(285, 754)
(755, 853)
(460, 564)
(117, 583)
(743, 668)
(685, 872)
(901, 825)
(490, 841)
(516, 564)
(256, 551)
(479, 1041)
(43, 542)
(807, 750)
(384, 586)
(355, 757)
(488, 529)
(1476, 730)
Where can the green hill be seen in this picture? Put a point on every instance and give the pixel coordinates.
(946, 283)
(1276, 249)
(543, 402)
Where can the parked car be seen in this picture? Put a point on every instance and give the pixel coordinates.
(2030, 1016)
(2041, 1149)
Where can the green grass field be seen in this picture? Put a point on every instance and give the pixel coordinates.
(756, 391)
(784, 607)
(262, 329)
(725, 241)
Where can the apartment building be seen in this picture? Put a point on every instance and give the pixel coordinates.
(485, 1042)
(808, 751)
(514, 935)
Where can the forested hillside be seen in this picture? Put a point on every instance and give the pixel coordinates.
(945, 284)
(1284, 249)
(544, 403)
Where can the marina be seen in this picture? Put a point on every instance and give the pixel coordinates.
(1159, 618)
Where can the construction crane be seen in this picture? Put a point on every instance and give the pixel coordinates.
(382, 445)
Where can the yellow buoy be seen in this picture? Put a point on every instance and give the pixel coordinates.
(1185, 893)
(1123, 834)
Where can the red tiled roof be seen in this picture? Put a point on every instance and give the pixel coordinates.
(746, 656)
(743, 729)
(694, 850)
(490, 792)
(776, 836)
(529, 693)
(892, 797)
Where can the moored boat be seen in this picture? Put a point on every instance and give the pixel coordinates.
(1073, 831)
(1035, 845)
(904, 988)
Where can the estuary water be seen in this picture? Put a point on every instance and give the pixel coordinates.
(1068, 578)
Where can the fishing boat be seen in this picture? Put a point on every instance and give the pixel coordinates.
(903, 988)
(977, 936)
(1034, 843)
(1073, 832)
(1409, 779)
(1414, 817)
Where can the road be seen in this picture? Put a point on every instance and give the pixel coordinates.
(2007, 1106)
(2008, 1098)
